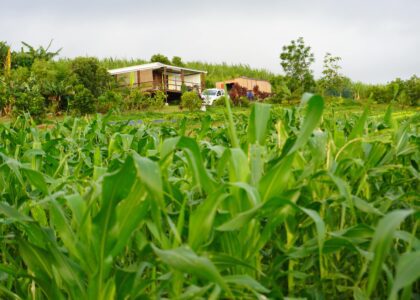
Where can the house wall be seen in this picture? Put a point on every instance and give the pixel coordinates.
(146, 79)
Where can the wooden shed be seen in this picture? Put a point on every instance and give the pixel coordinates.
(246, 82)
(158, 76)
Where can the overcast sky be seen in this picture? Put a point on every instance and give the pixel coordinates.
(378, 40)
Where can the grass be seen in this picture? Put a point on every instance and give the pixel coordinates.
(313, 202)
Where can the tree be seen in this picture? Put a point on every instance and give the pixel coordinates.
(4, 49)
(28, 98)
(28, 54)
(177, 61)
(161, 59)
(91, 74)
(279, 89)
(296, 60)
(332, 81)
(412, 86)
(83, 102)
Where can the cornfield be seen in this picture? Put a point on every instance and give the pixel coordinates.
(285, 203)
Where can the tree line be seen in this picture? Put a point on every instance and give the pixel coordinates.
(33, 80)
(296, 59)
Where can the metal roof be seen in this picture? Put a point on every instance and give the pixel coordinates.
(151, 66)
(243, 77)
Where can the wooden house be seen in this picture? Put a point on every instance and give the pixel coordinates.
(157, 76)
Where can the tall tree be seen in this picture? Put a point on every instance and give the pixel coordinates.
(296, 59)
(332, 81)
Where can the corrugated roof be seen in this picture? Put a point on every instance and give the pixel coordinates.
(151, 66)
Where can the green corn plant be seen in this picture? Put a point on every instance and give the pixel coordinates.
(311, 202)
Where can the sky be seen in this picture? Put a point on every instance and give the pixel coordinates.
(378, 40)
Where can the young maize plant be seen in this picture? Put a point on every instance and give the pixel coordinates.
(283, 203)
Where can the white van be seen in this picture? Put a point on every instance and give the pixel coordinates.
(210, 95)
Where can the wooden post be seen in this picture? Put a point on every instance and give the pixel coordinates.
(164, 80)
(182, 76)
(138, 79)
(203, 81)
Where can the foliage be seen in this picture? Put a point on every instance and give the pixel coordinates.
(160, 58)
(412, 89)
(4, 48)
(108, 101)
(27, 98)
(89, 72)
(221, 101)
(243, 102)
(191, 101)
(332, 81)
(139, 100)
(4, 94)
(296, 59)
(259, 95)
(177, 61)
(285, 203)
(236, 92)
(159, 99)
(29, 54)
(83, 102)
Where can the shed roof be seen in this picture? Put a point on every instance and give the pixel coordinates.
(151, 66)
(243, 77)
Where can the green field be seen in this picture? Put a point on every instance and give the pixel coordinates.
(267, 202)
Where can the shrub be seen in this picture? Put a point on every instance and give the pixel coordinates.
(109, 100)
(83, 101)
(91, 75)
(243, 102)
(236, 92)
(412, 87)
(142, 100)
(3, 94)
(30, 102)
(28, 99)
(191, 101)
(221, 101)
(158, 100)
(135, 99)
(274, 99)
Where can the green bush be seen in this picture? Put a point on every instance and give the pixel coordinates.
(30, 102)
(274, 99)
(91, 75)
(158, 100)
(3, 94)
(83, 102)
(243, 102)
(109, 100)
(28, 99)
(191, 101)
(143, 100)
(221, 102)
